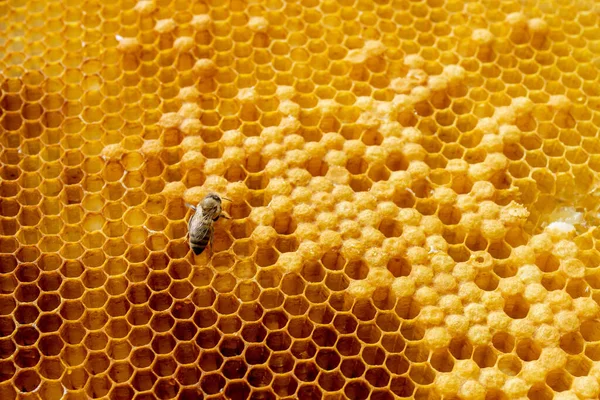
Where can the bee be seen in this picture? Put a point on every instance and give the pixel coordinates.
(200, 225)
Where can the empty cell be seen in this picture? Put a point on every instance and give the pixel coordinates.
(223, 283)
(120, 372)
(212, 383)
(528, 350)
(578, 366)
(96, 340)
(259, 377)
(164, 366)
(484, 356)
(184, 330)
(24, 314)
(7, 348)
(115, 285)
(163, 344)
(254, 333)
(590, 331)
(509, 365)
(97, 363)
(95, 319)
(572, 343)
(72, 310)
(27, 380)
(142, 358)
(559, 380)
(249, 291)
(306, 371)
(227, 304)
(143, 380)
(284, 385)
(8, 284)
(209, 338)
(166, 388)
(7, 326)
(337, 281)
(118, 328)
(8, 263)
(161, 322)
(95, 298)
(316, 293)
(27, 357)
(9, 207)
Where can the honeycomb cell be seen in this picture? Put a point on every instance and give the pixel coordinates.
(383, 146)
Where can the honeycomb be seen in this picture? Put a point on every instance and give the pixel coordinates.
(413, 193)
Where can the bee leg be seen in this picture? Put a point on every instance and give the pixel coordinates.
(223, 215)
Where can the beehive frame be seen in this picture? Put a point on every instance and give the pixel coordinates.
(413, 185)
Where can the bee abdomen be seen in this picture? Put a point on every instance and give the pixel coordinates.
(198, 247)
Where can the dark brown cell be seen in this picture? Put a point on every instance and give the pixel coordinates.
(164, 366)
(122, 392)
(254, 333)
(212, 383)
(327, 359)
(49, 323)
(210, 361)
(275, 320)
(205, 318)
(259, 377)
(26, 335)
(237, 391)
(142, 358)
(27, 357)
(278, 341)
(257, 354)
(357, 390)
(352, 367)
(163, 344)
(120, 372)
(306, 371)
(309, 392)
(188, 375)
(51, 345)
(143, 380)
(285, 385)
(331, 381)
(402, 386)
(27, 380)
(7, 370)
(25, 314)
(208, 338)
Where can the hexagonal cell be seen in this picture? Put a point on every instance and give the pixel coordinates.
(164, 366)
(212, 383)
(163, 344)
(572, 343)
(208, 338)
(331, 381)
(402, 386)
(27, 380)
(254, 333)
(143, 380)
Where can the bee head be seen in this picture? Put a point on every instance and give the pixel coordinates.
(213, 196)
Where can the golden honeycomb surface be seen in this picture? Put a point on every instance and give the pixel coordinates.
(413, 193)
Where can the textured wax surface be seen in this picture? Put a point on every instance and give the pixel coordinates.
(413, 191)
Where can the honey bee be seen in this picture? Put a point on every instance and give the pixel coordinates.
(200, 225)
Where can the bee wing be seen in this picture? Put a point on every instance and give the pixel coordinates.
(200, 224)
